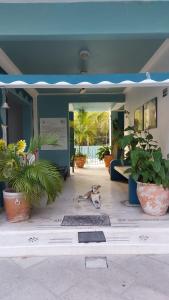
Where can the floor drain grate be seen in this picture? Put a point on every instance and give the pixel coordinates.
(96, 263)
(91, 237)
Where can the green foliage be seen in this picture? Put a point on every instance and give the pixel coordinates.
(117, 135)
(82, 129)
(37, 142)
(147, 162)
(102, 151)
(133, 139)
(31, 178)
(90, 128)
(80, 154)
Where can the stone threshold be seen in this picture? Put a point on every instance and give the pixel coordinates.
(64, 241)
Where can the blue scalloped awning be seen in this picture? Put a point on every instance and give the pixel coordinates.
(84, 81)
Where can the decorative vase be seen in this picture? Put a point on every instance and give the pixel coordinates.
(154, 199)
(80, 161)
(17, 208)
(107, 160)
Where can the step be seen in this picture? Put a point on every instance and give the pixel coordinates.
(64, 241)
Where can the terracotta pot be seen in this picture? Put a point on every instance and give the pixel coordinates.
(107, 160)
(17, 208)
(80, 161)
(154, 199)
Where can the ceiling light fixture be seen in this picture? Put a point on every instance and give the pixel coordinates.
(82, 91)
(84, 54)
(4, 103)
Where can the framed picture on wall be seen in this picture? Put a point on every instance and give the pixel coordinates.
(138, 118)
(150, 114)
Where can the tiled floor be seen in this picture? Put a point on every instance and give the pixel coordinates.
(131, 230)
(127, 277)
(113, 194)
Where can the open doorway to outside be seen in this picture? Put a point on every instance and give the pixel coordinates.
(91, 132)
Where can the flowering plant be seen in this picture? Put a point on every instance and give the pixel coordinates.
(22, 172)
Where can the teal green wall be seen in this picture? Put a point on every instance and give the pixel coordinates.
(51, 107)
(27, 118)
(109, 19)
(27, 121)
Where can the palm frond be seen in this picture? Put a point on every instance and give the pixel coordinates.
(36, 179)
(37, 142)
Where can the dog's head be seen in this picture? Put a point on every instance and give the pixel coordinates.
(95, 188)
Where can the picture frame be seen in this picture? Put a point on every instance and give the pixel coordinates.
(150, 114)
(139, 118)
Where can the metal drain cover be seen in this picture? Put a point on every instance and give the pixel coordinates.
(96, 263)
(91, 237)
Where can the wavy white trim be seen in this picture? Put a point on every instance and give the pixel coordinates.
(64, 84)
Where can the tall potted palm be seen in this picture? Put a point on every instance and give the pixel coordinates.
(26, 179)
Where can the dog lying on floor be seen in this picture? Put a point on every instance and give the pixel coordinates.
(93, 194)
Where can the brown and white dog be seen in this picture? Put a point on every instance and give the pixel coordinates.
(94, 195)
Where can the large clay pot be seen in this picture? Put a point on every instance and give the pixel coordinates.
(80, 161)
(107, 160)
(154, 199)
(17, 208)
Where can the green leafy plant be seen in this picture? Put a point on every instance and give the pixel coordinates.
(31, 177)
(133, 139)
(80, 154)
(37, 142)
(117, 135)
(102, 151)
(147, 162)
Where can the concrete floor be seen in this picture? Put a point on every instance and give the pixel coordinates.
(66, 278)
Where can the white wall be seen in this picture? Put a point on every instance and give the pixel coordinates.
(137, 97)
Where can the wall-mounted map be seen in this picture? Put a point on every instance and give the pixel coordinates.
(57, 128)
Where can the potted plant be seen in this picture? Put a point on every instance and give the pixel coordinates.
(80, 159)
(151, 172)
(26, 179)
(104, 153)
(83, 134)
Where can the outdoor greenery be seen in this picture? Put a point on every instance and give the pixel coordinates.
(37, 142)
(117, 135)
(146, 159)
(130, 139)
(90, 128)
(102, 151)
(23, 174)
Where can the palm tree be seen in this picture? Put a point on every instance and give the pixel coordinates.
(84, 128)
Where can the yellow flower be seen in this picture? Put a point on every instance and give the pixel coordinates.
(2, 145)
(21, 145)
